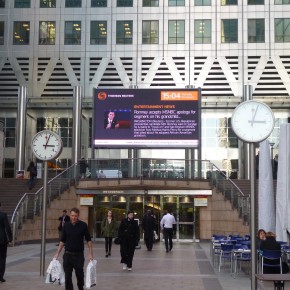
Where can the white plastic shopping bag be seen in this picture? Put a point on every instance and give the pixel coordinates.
(91, 274)
(55, 273)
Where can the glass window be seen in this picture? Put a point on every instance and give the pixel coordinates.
(202, 31)
(176, 31)
(72, 33)
(47, 3)
(124, 32)
(124, 3)
(22, 4)
(1, 32)
(282, 2)
(2, 3)
(176, 2)
(73, 3)
(256, 30)
(150, 34)
(229, 2)
(21, 32)
(99, 3)
(282, 30)
(229, 31)
(255, 2)
(9, 129)
(98, 32)
(62, 126)
(47, 32)
(150, 3)
(202, 2)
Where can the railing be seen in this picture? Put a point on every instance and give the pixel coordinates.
(151, 168)
(30, 205)
(231, 192)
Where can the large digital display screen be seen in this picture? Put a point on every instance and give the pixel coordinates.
(146, 118)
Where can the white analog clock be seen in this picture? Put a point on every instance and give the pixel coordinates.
(253, 121)
(46, 145)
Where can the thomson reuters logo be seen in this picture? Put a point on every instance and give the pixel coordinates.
(102, 96)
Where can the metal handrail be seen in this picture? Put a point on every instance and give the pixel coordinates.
(232, 192)
(30, 204)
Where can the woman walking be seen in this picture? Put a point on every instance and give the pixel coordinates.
(128, 235)
(108, 228)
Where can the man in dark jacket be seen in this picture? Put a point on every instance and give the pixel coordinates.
(148, 224)
(5, 238)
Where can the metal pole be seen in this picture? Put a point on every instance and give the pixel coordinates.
(43, 229)
(253, 218)
(21, 125)
(77, 124)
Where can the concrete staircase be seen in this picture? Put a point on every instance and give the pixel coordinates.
(12, 190)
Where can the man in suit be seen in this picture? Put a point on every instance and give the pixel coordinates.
(110, 121)
(5, 238)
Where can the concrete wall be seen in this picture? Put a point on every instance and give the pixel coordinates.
(31, 230)
(219, 217)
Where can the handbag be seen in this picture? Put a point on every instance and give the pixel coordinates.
(117, 241)
(55, 273)
(91, 274)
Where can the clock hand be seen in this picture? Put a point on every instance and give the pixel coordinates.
(47, 141)
(254, 116)
(261, 122)
(49, 145)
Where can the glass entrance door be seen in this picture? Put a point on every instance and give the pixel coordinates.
(186, 218)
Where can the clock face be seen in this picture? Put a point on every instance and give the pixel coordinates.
(46, 145)
(253, 121)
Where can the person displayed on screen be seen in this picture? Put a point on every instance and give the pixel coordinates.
(110, 121)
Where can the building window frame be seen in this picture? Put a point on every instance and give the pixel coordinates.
(73, 3)
(46, 33)
(22, 3)
(150, 32)
(175, 3)
(98, 33)
(21, 32)
(229, 31)
(47, 4)
(2, 30)
(176, 31)
(282, 30)
(202, 31)
(124, 32)
(150, 3)
(124, 3)
(72, 32)
(256, 30)
(99, 3)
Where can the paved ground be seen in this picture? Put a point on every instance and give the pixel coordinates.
(188, 266)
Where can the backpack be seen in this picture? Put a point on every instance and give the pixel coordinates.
(33, 171)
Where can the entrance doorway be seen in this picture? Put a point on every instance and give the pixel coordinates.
(182, 207)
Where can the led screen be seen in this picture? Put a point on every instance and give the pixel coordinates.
(146, 118)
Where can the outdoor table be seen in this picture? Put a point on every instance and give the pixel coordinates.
(278, 279)
(236, 254)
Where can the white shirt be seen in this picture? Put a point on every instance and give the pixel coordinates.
(167, 221)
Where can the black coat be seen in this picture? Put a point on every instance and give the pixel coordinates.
(128, 233)
(148, 224)
(5, 230)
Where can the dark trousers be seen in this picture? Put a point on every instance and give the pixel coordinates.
(31, 182)
(108, 244)
(148, 237)
(75, 262)
(127, 253)
(3, 254)
(168, 234)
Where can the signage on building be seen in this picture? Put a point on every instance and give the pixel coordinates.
(86, 199)
(146, 118)
(200, 201)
